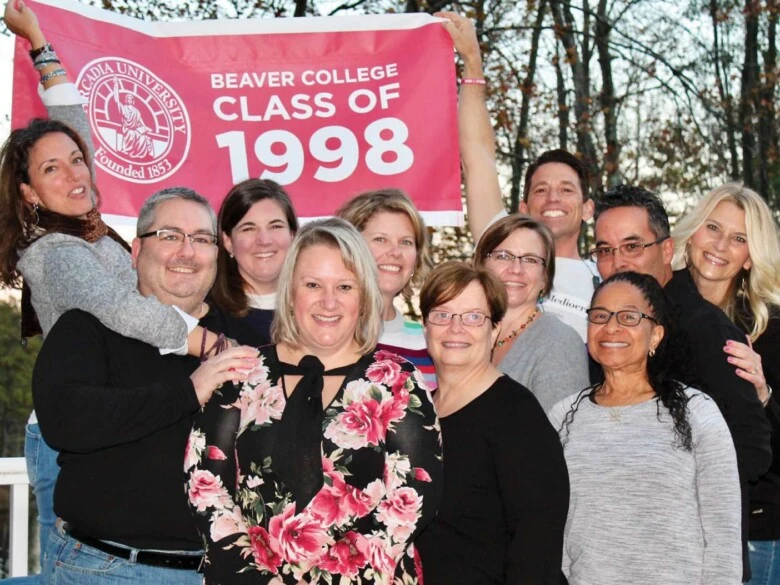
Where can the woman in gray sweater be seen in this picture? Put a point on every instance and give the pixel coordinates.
(655, 495)
(534, 348)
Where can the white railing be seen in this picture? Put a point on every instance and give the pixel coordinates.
(13, 472)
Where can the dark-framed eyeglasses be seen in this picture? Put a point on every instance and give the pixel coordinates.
(508, 258)
(470, 319)
(624, 318)
(176, 237)
(629, 250)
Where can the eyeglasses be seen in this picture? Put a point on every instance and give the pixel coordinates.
(470, 319)
(624, 318)
(629, 250)
(508, 258)
(175, 237)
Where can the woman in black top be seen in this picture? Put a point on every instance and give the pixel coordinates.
(506, 487)
(729, 243)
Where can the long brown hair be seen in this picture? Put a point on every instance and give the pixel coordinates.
(228, 291)
(16, 215)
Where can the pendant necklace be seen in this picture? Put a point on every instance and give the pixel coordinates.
(517, 331)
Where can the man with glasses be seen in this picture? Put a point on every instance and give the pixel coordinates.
(632, 234)
(120, 415)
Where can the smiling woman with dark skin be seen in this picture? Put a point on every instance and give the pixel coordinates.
(651, 463)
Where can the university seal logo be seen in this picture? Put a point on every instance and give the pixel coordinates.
(140, 125)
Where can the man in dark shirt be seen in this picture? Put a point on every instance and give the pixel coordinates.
(632, 233)
(120, 414)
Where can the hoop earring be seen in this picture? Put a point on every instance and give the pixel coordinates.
(686, 257)
(32, 223)
(651, 353)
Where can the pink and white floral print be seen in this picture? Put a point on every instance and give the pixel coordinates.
(358, 527)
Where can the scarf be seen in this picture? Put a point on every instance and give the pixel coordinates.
(297, 453)
(90, 229)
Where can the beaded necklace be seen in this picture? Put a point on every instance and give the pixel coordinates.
(517, 331)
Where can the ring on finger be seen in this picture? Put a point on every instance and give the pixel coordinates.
(754, 371)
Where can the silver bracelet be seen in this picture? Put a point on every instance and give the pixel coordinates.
(768, 396)
(52, 74)
(46, 56)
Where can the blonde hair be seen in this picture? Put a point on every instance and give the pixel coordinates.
(760, 285)
(359, 210)
(342, 236)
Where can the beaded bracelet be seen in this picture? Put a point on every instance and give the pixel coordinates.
(52, 74)
(473, 81)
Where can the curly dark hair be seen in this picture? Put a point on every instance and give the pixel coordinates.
(16, 213)
(671, 355)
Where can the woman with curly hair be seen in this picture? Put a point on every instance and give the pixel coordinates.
(655, 495)
(729, 243)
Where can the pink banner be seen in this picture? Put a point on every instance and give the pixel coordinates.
(328, 107)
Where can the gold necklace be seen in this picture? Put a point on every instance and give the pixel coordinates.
(515, 332)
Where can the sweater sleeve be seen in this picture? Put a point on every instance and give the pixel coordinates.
(717, 482)
(64, 103)
(415, 438)
(76, 277)
(79, 410)
(212, 490)
(534, 485)
(736, 398)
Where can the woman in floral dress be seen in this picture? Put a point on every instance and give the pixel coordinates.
(326, 464)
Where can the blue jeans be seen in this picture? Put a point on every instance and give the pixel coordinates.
(69, 562)
(42, 470)
(764, 562)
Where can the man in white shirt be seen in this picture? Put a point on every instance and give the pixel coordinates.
(556, 194)
(556, 188)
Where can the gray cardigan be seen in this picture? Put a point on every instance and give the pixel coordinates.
(549, 359)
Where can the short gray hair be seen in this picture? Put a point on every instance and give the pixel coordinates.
(146, 215)
(339, 234)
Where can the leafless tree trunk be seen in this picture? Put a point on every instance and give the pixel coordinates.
(767, 130)
(725, 96)
(564, 25)
(563, 102)
(607, 98)
(748, 93)
(521, 137)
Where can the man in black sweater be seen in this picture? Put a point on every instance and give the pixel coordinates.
(120, 414)
(632, 233)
